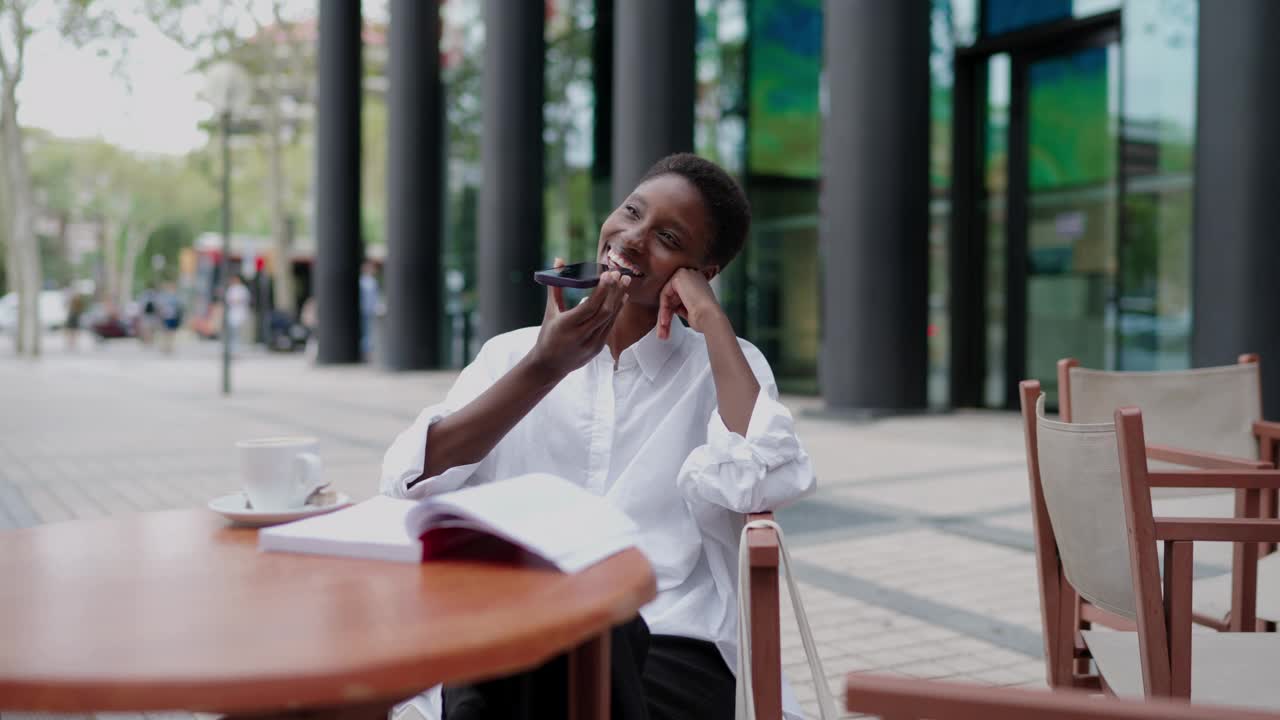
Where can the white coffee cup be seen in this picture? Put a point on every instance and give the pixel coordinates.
(280, 473)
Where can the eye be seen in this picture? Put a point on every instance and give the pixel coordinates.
(669, 240)
(631, 210)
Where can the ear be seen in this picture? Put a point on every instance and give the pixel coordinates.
(709, 272)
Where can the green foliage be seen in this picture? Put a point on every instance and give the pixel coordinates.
(167, 241)
(373, 179)
(167, 198)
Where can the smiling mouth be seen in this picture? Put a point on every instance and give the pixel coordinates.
(616, 261)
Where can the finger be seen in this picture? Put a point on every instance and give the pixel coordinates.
(558, 292)
(612, 304)
(616, 292)
(664, 312)
(555, 296)
(595, 301)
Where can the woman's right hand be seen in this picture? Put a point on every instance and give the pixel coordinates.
(569, 339)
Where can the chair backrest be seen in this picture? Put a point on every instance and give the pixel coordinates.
(902, 698)
(1057, 600)
(1208, 409)
(1079, 468)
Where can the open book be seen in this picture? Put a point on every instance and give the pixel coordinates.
(541, 514)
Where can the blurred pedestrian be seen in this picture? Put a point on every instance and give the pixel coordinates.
(169, 311)
(237, 309)
(368, 306)
(75, 313)
(310, 320)
(149, 321)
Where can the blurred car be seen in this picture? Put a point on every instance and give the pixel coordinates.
(110, 327)
(108, 324)
(53, 311)
(284, 333)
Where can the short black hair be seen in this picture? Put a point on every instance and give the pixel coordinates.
(727, 205)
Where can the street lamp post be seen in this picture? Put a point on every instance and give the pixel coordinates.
(227, 89)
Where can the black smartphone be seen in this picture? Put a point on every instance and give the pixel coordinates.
(577, 275)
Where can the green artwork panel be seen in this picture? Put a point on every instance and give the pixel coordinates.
(1068, 128)
(786, 59)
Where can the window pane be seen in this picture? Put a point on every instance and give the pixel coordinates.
(1159, 140)
(942, 83)
(994, 205)
(786, 60)
(568, 114)
(1004, 16)
(461, 55)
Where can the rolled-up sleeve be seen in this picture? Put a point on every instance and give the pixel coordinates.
(406, 460)
(765, 470)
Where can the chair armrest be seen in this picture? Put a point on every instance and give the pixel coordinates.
(1199, 459)
(1218, 529)
(762, 543)
(1267, 429)
(1221, 479)
(766, 619)
(896, 697)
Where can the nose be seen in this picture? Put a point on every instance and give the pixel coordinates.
(632, 242)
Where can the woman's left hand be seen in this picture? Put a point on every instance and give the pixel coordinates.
(689, 295)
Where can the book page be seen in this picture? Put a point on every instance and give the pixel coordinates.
(547, 515)
(374, 528)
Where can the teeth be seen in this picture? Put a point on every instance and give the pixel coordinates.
(618, 260)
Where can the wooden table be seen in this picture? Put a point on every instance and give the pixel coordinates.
(176, 610)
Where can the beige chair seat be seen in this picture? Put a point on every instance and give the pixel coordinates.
(1226, 668)
(1212, 596)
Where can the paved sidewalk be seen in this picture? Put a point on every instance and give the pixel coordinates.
(914, 557)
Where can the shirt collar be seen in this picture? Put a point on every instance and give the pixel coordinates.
(653, 352)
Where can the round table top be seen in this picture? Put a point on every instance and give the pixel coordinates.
(176, 609)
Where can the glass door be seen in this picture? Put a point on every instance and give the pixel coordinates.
(1036, 218)
(1064, 209)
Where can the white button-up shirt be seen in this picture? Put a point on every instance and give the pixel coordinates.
(646, 434)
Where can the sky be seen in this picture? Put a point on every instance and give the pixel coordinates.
(73, 92)
(151, 102)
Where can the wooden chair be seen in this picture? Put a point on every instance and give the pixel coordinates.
(766, 638)
(902, 699)
(1209, 418)
(766, 633)
(1096, 495)
(1064, 612)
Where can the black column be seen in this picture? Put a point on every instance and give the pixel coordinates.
(411, 333)
(1236, 269)
(337, 216)
(874, 205)
(510, 233)
(653, 86)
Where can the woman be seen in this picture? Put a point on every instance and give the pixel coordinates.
(680, 428)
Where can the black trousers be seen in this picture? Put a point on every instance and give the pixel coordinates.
(652, 677)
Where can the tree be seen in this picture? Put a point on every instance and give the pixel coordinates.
(82, 22)
(131, 196)
(267, 38)
(274, 40)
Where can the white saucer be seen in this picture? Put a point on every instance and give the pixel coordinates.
(235, 507)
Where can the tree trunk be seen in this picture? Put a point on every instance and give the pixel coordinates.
(10, 250)
(22, 227)
(10, 266)
(13, 284)
(281, 267)
(111, 265)
(64, 244)
(134, 241)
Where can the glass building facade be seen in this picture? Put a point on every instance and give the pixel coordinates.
(1060, 177)
(1081, 169)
